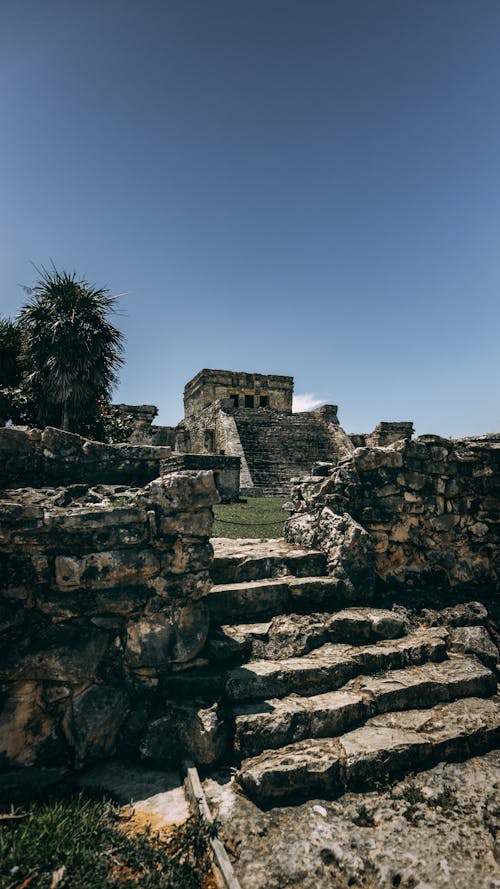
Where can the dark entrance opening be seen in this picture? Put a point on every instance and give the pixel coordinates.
(264, 400)
(249, 401)
(235, 398)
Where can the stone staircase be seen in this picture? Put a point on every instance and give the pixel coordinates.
(280, 446)
(321, 692)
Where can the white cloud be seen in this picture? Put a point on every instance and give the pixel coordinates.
(306, 402)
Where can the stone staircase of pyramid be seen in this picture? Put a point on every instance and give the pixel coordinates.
(322, 691)
(280, 446)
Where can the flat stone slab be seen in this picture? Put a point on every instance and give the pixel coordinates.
(387, 746)
(240, 559)
(277, 722)
(257, 547)
(325, 669)
(256, 599)
(157, 796)
(292, 635)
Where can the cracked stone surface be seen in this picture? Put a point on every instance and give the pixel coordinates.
(438, 829)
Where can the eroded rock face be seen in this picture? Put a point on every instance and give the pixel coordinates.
(55, 457)
(429, 506)
(278, 722)
(436, 829)
(387, 745)
(94, 720)
(101, 594)
(186, 731)
(475, 640)
(173, 636)
(349, 549)
(25, 728)
(293, 635)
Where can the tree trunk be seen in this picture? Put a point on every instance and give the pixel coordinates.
(65, 417)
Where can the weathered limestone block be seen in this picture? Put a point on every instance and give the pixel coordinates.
(349, 548)
(19, 515)
(372, 458)
(293, 635)
(94, 720)
(191, 585)
(105, 568)
(475, 640)
(100, 591)
(466, 614)
(389, 745)
(289, 635)
(281, 721)
(25, 729)
(122, 600)
(15, 441)
(65, 653)
(173, 636)
(33, 457)
(437, 500)
(56, 442)
(98, 518)
(135, 452)
(187, 555)
(189, 731)
(20, 573)
(181, 490)
(302, 529)
(198, 523)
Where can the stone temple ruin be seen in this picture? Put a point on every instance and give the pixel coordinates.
(361, 646)
(249, 416)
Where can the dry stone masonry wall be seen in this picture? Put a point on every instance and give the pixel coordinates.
(101, 595)
(53, 457)
(422, 513)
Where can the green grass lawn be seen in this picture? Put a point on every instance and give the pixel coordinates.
(257, 517)
(78, 843)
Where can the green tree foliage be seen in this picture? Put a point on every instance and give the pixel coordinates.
(70, 350)
(10, 350)
(14, 400)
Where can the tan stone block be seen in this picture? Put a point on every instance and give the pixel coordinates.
(401, 532)
(106, 568)
(411, 497)
(380, 542)
(23, 725)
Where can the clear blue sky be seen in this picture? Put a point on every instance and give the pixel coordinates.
(305, 187)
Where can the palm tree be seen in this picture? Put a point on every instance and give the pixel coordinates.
(70, 350)
(10, 371)
(10, 348)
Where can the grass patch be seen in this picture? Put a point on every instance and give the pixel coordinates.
(77, 842)
(256, 517)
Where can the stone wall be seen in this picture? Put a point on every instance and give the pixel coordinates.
(99, 600)
(138, 419)
(426, 512)
(52, 457)
(251, 390)
(226, 471)
(385, 433)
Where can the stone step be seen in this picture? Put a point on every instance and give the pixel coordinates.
(282, 446)
(293, 635)
(277, 722)
(234, 602)
(325, 669)
(387, 746)
(242, 559)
